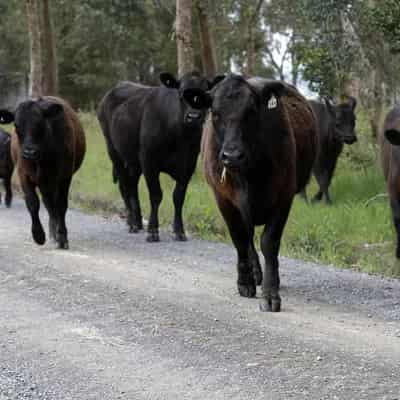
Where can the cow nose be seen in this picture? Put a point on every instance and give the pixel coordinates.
(232, 158)
(194, 115)
(30, 154)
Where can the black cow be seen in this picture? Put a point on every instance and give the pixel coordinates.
(149, 130)
(336, 125)
(48, 148)
(6, 165)
(258, 148)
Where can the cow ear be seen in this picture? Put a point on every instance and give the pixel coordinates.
(271, 91)
(393, 136)
(352, 103)
(169, 80)
(51, 110)
(6, 117)
(197, 98)
(215, 81)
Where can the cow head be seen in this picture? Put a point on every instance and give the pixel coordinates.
(237, 110)
(191, 80)
(345, 120)
(32, 120)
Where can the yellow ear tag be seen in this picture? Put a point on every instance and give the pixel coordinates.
(223, 176)
(272, 102)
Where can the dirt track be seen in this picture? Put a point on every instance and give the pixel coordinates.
(118, 318)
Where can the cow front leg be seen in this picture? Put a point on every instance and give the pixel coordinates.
(242, 239)
(33, 204)
(270, 244)
(179, 198)
(155, 193)
(62, 207)
(49, 200)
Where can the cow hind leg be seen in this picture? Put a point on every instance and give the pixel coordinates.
(270, 244)
(136, 213)
(242, 240)
(128, 187)
(255, 264)
(7, 187)
(155, 193)
(33, 205)
(62, 206)
(179, 198)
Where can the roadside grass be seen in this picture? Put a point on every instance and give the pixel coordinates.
(355, 232)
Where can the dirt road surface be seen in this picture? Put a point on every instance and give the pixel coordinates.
(118, 318)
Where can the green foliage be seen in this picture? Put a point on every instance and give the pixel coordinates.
(385, 17)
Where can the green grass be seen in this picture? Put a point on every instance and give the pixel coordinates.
(356, 231)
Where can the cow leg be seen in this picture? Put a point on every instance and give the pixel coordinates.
(62, 206)
(136, 213)
(242, 240)
(270, 243)
(179, 198)
(255, 264)
(33, 205)
(395, 205)
(49, 200)
(155, 193)
(128, 186)
(123, 184)
(7, 187)
(324, 181)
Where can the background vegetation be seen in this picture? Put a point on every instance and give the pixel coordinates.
(333, 47)
(356, 231)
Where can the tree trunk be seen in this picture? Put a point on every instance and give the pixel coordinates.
(50, 68)
(208, 56)
(184, 36)
(251, 42)
(35, 85)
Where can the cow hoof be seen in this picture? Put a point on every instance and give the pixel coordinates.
(248, 290)
(63, 245)
(180, 237)
(153, 237)
(134, 229)
(272, 305)
(38, 235)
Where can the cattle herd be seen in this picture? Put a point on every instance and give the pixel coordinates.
(260, 141)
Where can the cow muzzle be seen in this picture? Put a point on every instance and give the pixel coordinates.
(233, 158)
(30, 154)
(193, 117)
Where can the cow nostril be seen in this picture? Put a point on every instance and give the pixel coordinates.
(30, 153)
(233, 156)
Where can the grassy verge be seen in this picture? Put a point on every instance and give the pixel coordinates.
(355, 232)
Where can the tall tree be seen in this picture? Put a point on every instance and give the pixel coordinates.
(252, 15)
(208, 55)
(50, 67)
(183, 30)
(35, 86)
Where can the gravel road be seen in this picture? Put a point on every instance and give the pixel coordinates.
(116, 317)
